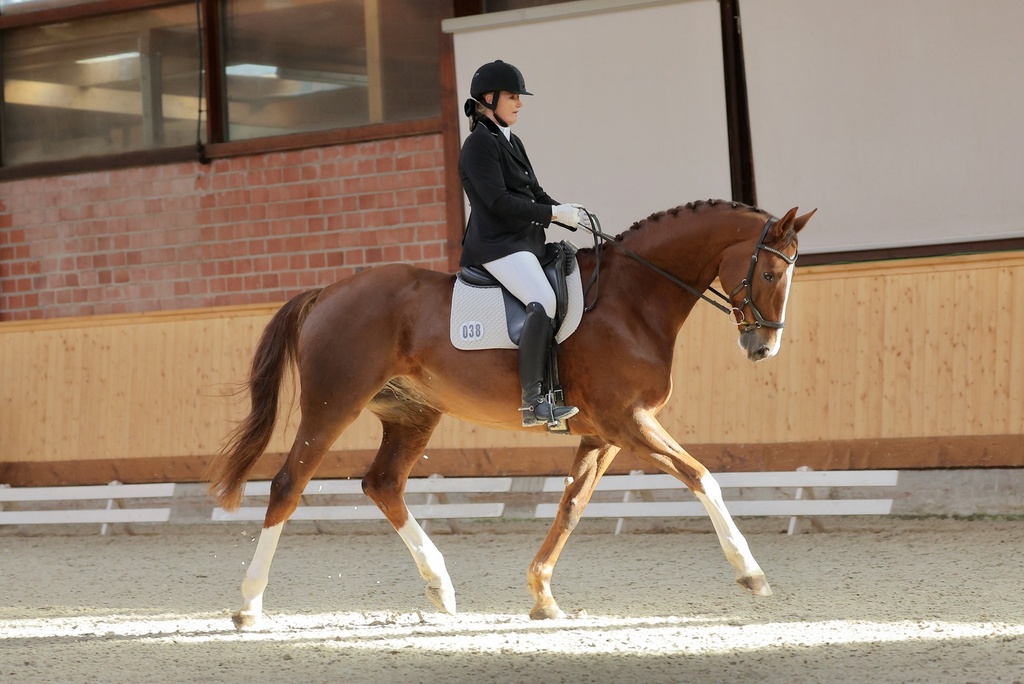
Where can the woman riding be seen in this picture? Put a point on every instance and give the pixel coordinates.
(509, 211)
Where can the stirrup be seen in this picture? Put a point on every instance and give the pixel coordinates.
(555, 414)
(529, 417)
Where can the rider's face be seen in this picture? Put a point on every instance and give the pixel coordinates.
(508, 107)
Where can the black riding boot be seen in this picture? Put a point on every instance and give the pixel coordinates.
(534, 343)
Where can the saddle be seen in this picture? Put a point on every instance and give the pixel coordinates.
(558, 262)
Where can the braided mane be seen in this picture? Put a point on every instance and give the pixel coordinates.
(695, 207)
(692, 207)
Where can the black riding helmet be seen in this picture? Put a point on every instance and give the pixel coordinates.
(493, 78)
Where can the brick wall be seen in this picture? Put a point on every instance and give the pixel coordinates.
(237, 231)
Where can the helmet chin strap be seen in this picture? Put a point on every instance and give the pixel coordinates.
(494, 109)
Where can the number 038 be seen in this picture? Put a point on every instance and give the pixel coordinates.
(472, 330)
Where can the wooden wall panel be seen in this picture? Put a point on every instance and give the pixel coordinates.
(925, 354)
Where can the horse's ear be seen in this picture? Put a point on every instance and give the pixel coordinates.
(801, 221)
(781, 226)
(787, 219)
(790, 220)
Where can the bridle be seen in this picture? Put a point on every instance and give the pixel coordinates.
(600, 239)
(748, 283)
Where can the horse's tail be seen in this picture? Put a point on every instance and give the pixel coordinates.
(277, 347)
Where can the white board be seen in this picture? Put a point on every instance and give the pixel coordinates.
(628, 112)
(901, 120)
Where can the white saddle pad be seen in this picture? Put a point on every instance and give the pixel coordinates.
(478, 315)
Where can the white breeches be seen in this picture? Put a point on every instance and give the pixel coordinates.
(523, 276)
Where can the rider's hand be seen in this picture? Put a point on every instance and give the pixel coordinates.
(566, 214)
(584, 217)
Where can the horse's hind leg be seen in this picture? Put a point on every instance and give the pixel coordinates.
(592, 459)
(316, 433)
(404, 439)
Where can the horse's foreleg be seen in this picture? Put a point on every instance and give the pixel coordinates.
(748, 573)
(592, 459)
(655, 445)
(401, 448)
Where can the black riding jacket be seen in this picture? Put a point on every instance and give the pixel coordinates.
(509, 210)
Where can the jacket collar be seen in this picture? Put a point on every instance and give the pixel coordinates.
(506, 142)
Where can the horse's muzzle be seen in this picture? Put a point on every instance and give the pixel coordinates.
(758, 343)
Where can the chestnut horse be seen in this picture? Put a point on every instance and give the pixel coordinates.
(380, 340)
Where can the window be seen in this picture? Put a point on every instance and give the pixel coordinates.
(306, 65)
(88, 80)
(102, 85)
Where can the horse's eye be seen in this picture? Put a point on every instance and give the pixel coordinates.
(769, 277)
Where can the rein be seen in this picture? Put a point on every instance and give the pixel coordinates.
(600, 239)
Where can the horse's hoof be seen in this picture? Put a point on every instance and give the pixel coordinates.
(442, 597)
(549, 611)
(755, 584)
(245, 620)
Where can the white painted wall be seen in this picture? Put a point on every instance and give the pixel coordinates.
(902, 121)
(628, 111)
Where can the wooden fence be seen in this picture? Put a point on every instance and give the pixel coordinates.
(900, 364)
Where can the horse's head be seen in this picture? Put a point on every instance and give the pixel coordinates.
(757, 274)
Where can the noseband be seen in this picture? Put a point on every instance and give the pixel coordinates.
(748, 298)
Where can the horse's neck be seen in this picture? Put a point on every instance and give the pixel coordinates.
(688, 245)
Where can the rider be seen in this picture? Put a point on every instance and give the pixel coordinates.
(509, 211)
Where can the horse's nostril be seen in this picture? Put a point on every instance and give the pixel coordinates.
(759, 353)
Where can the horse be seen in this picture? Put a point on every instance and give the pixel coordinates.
(379, 340)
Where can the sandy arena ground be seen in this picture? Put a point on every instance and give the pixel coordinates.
(869, 600)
